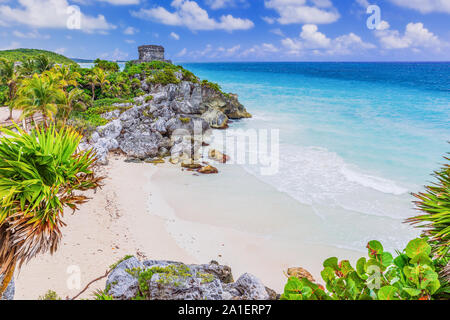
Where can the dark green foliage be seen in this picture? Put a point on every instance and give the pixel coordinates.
(3, 95)
(410, 276)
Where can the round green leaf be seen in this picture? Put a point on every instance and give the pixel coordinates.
(417, 246)
(387, 293)
(327, 274)
(332, 263)
(422, 259)
(375, 248)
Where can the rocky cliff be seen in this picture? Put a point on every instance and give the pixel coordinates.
(168, 120)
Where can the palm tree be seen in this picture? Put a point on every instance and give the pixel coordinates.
(101, 76)
(43, 64)
(71, 100)
(92, 80)
(67, 76)
(39, 94)
(10, 78)
(39, 175)
(27, 68)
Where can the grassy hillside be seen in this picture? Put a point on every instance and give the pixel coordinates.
(22, 54)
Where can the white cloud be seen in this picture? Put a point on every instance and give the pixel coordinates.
(220, 4)
(30, 35)
(49, 14)
(130, 41)
(130, 31)
(278, 32)
(312, 40)
(259, 51)
(121, 2)
(182, 53)
(189, 14)
(115, 55)
(415, 36)
(425, 6)
(269, 20)
(303, 11)
(363, 3)
(175, 36)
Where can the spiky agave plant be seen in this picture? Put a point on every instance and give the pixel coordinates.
(39, 175)
(435, 204)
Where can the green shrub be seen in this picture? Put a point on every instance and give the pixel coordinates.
(212, 85)
(50, 295)
(106, 65)
(164, 77)
(410, 276)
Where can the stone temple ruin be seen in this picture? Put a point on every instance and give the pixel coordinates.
(148, 53)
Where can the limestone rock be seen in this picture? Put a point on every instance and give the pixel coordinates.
(208, 170)
(300, 273)
(216, 119)
(121, 284)
(248, 287)
(218, 156)
(169, 280)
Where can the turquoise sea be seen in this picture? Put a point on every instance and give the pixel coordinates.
(355, 138)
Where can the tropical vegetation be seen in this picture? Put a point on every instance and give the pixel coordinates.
(40, 173)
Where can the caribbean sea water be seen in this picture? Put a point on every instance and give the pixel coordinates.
(355, 138)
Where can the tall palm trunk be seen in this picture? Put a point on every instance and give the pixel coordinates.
(6, 280)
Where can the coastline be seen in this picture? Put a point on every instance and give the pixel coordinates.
(159, 212)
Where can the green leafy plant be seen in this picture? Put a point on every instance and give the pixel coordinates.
(50, 295)
(435, 204)
(40, 173)
(410, 276)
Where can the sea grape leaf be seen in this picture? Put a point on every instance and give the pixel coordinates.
(417, 246)
(375, 248)
(422, 258)
(293, 286)
(412, 291)
(386, 259)
(387, 293)
(327, 274)
(332, 263)
(346, 267)
(360, 267)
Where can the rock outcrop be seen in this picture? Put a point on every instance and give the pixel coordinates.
(171, 120)
(168, 280)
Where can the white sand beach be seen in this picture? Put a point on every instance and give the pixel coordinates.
(162, 213)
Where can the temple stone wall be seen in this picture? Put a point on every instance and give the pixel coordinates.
(151, 53)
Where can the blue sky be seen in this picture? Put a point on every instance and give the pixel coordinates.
(231, 30)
